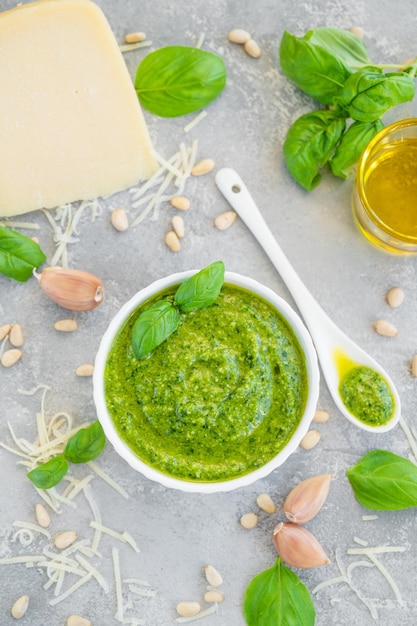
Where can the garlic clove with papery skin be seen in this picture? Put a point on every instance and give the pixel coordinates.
(306, 499)
(298, 547)
(72, 289)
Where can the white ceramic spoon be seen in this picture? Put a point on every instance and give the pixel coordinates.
(328, 338)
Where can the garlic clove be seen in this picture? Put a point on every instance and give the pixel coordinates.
(72, 289)
(298, 547)
(306, 499)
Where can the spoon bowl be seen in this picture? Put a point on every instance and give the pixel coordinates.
(333, 347)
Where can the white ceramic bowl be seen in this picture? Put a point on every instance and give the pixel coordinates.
(205, 487)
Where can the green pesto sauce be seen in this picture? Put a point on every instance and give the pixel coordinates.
(216, 400)
(367, 396)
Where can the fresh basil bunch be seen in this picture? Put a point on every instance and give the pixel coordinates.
(333, 66)
(19, 255)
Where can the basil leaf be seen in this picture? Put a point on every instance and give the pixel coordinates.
(277, 597)
(346, 46)
(19, 255)
(176, 80)
(310, 143)
(86, 444)
(153, 326)
(383, 481)
(200, 290)
(50, 473)
(351, 146)
(368, 93)
(312, 68)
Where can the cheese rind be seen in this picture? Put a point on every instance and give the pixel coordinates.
(71, 126)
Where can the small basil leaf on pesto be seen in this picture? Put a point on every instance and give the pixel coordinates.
(277, 597)
(201, 289)
(86, 444)
(50, 473)
(19, 255)
(153, 326)
(384, 481)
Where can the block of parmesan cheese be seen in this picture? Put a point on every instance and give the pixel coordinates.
(71, 126)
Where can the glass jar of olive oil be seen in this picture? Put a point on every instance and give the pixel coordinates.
(385, 193)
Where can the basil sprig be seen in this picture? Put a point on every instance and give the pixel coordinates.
(85, 445)
(333, 66)
(162, 318)
(19, 255)
(277, 597)
(177, 80)
(384, 481)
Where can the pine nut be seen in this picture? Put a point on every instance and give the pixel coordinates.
(414, 366)
(203, 167)
(213, 596)
(20, 607)
(10, 357)
(180, 202)
(321, 416)
(385, 328)
(249, 520)
(188, 608)
(252, 49)
(16, 336)
(42, 516)
(178, 224)
(77, 620)
(310, 440)
(65, 539)
(357, 30)
(212, 575)
(119, 220)
(86, 369)
(172, 241)
(238, 35)
(66, 326)
(225, 220)
(395, 297)
(135, 37)
(264, 501)
(4, 331)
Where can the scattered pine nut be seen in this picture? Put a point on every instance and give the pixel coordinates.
(414, 366)
(385, 328)
(203, 167)
(77, 620)
(213, 596)
(65, 539)
(180, 202)
(86, 369)
(395, 297)
(225, 220)
(212, 575)
(178, 224)
(249, 520)
(66, 326)
(264, 501)
(321, 416)
(16, 336)
(20, 607)
(4, 331)
(310, 440)
(119, 220)
(188, 608)
(172, 241)
(10, 357)
(357, 30)
(135, 37)
(238, 35)
(42, 516)
(252, 49)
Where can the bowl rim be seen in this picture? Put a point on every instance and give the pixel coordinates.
(122, 448)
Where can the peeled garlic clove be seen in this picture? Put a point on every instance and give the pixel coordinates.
(306, 499)
(72, 289)
(297, 546)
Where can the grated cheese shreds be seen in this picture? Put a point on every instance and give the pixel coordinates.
(127, 47)
(171, 165)
(122, 537)
(129, 539)
(140, 591)
(71, 589)
(409, 436)
(200, 40)
(118, 584)
(195, 121)
(76, 486)
(28, 558)
(102, 474)
(376, 550)
(87, 565)
(96, 514)
(369, 518)
(371, 556)
(25, 537)
(31, 526)
(360, 541)
(23, 225)
(203, 613)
